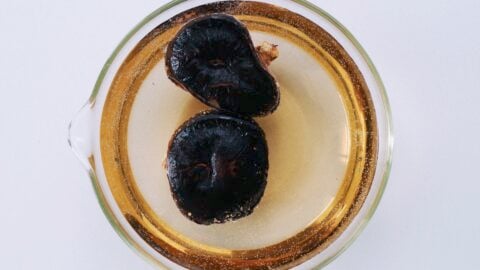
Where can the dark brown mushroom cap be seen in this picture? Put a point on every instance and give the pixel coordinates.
(214, 59)
(217, 167)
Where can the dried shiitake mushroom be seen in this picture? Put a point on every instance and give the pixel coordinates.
(217, 167)
(214, 59)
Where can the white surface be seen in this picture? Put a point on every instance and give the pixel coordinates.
(428, 53)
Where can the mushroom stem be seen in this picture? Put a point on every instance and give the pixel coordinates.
(267, 52)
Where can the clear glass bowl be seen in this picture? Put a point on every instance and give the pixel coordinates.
(117, 163)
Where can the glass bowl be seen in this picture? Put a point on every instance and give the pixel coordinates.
(332, 131)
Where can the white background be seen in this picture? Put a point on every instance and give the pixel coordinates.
(428, 53)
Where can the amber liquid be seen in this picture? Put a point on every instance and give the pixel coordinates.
(317, 138)
(308, 149)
